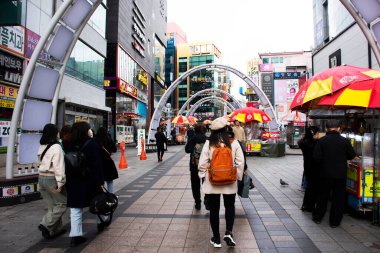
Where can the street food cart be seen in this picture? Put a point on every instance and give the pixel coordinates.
(294, 132)
(253, 138)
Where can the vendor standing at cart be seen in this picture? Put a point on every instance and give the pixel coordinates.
(239, 132)
(332, 152)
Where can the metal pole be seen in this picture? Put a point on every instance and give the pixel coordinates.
(25, 85)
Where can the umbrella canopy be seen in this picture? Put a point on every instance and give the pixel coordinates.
(180, 120)
(207, 122)
(192, 120)
(360, 94)
(294, 116)
(247, 114)
(329, 81)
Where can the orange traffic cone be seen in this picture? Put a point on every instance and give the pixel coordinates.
(123, 161)
(143, 154)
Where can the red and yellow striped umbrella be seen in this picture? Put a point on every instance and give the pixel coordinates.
(247, 114)
(192, 120)
(180, 120)
(329, 81)
(360, 94)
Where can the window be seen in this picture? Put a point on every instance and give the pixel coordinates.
(265, 60)
(85, 64)
(182, 92)
(98, 20)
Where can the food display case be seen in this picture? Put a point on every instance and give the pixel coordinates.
(294, 132)
(253, 137)
(360, 184)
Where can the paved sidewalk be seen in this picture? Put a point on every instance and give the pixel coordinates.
(156, 214)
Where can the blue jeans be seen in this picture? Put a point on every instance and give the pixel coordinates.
(110, 186)
(76, 222)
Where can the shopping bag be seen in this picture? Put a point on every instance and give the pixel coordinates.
(243, 186)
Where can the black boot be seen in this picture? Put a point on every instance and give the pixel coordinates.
(76, 240)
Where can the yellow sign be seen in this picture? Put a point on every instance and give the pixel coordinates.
(9, 92)
(107, 83)
(7, 103)
(250, 91)
(143, 77)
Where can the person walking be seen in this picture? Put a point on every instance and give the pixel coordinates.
(81, 189)
(104, 139)
(239, 132)
(65, 135)
(190, 133)
(220, 143)
(160, 141)
(194, 147)
(332, 152)
(51, 182)
(307, 144)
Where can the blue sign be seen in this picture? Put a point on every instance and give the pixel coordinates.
(287, 75)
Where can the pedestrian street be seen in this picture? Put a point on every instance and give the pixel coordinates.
(156, 214)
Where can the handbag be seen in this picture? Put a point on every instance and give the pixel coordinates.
(104, 203)
(244, 185)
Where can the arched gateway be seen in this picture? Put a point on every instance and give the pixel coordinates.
(59, 39)
(202, 92)
(155, 121)
(195, 106)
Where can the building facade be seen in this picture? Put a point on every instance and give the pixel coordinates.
(333, 28)
(135, 64)
(190, 55)
(281, 75)
(20, 32)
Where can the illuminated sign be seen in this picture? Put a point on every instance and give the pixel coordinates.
(126, 88)
(270, 135)
(143, 77)
(250, 91)
(7, 96)
(159, 80)
(11, 68)
(109, 83)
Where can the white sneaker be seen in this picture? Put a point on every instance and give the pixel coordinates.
(229, 239)
(215, 242)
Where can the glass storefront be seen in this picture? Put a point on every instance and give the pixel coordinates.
(74, 113)
(159, 63)
(87, 65)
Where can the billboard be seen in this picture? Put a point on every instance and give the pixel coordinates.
(267, 86)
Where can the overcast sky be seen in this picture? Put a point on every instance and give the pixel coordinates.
(243, 28)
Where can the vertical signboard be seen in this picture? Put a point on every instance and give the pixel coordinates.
(140, 136)
(267, 85)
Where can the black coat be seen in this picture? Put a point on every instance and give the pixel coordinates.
(332, 152)
(160, 139)
(309, 164)
(81, 190)
(109, 170)
(190, 145)
(190, 134)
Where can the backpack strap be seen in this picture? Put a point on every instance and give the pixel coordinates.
(46, 149)
(84, 145)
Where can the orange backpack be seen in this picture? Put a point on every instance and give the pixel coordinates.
(222, 170)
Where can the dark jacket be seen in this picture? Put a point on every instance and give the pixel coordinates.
(332, 152)
(190, 134)
(160, 139)
(309, 164)
(109, 170)
(81, 190)
(190, 145)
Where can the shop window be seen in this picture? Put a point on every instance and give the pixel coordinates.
(266, 60)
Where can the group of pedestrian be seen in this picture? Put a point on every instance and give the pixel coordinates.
(61, 187)
(216, 163)
(325, 169)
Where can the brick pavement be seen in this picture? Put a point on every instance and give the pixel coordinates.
(156, 215)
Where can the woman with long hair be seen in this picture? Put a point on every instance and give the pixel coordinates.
(82, 189)
(51, 181)
(104, 139)
(220, 138)
(307, 144)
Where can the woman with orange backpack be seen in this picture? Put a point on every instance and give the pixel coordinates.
(221, 164)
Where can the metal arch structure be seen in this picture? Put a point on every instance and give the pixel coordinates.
(206, 91)
(201, 101)
(268, 108)
(367, 16)
(57, 43)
